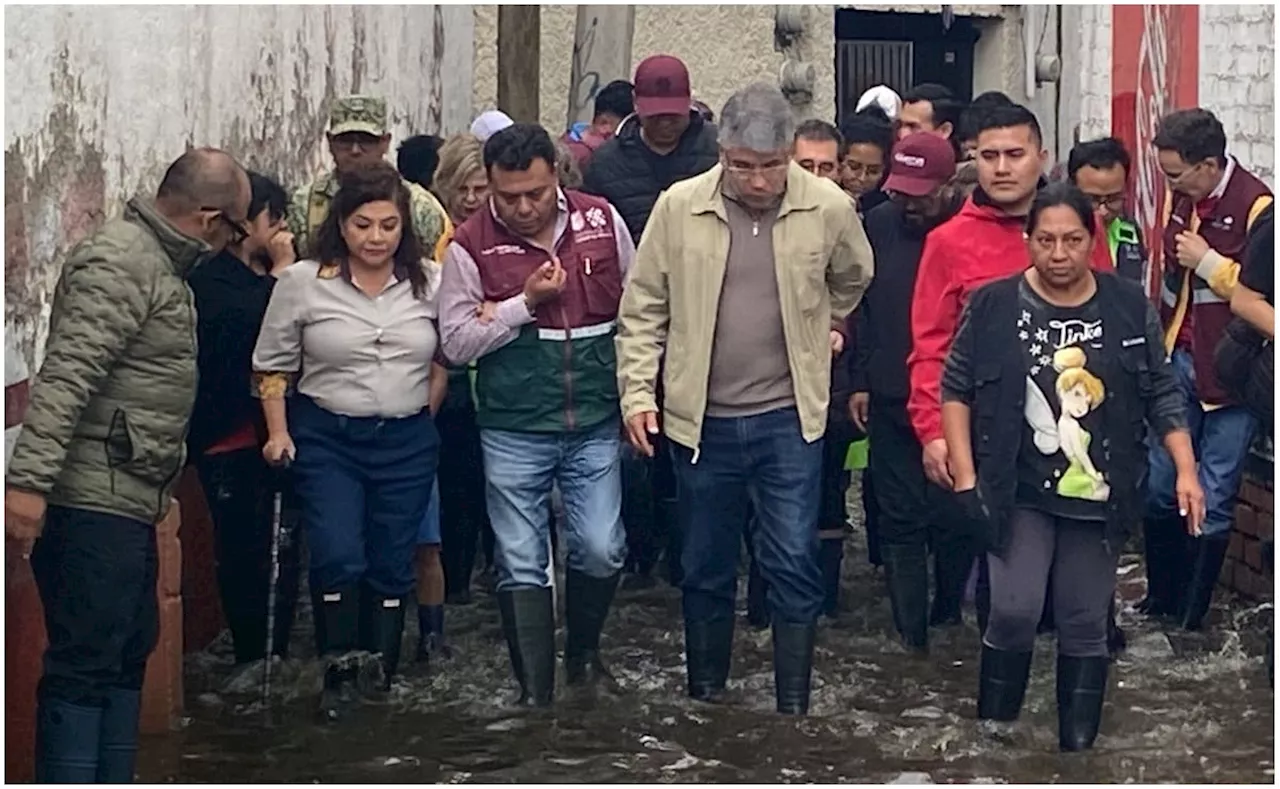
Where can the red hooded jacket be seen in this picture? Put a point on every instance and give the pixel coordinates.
(976, 246)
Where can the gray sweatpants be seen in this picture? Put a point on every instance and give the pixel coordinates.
(1084, 581)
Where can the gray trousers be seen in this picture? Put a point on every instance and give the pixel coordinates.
(1084, 581)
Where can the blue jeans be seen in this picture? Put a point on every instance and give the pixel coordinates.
(1221, 439)
(520, 469)
(765, 461)
(429, 531)
(364, 485)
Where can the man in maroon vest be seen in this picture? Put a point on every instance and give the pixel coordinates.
(1212, 203)
(530, 292)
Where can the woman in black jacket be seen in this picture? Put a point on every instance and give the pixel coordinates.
(226, 434)
(1052, 380)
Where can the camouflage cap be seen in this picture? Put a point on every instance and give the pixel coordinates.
(366, 114)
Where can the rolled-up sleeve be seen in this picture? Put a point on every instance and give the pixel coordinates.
(463, 335)
(277, 356)
(1166, 406)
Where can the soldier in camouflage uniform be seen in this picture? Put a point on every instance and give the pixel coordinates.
(358, 135)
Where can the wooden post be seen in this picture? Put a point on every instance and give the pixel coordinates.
(519, 58)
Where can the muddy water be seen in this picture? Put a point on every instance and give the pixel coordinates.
(1180, 709)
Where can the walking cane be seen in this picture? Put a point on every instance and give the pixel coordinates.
(276, 506)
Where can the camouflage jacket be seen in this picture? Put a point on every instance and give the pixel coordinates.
(309, 205)
(106, 426)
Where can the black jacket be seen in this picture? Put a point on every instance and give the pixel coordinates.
(629, 175)
(230, 302)
(1138, 393)
(882, 323)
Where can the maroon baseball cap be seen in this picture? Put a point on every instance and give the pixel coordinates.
(921, 162)
(662, 87)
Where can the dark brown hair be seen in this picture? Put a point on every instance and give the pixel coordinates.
(371, 183)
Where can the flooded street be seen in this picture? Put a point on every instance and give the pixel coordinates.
(1181, 709)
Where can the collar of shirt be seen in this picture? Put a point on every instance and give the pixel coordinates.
(1210, 203)
(562, 218)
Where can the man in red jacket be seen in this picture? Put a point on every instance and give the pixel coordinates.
(984, 242)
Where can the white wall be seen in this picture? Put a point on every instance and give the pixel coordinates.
(100, 99)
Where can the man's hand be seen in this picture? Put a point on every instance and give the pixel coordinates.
(280, 250)
(487, 311)
(1191, 504)
(1191, 249)
(860, 409)
(544, 284)
(639, 428)
(23, 518)
(279, 450)
(935, 463)
(837, 343)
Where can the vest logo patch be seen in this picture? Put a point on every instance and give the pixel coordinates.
(595, 217)
(576, 221)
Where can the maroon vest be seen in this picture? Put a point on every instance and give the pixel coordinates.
(587, 250)
(1226, 231)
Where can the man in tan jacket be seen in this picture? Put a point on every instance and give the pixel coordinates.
(737, 280)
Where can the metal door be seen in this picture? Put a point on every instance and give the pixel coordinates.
(865, 64)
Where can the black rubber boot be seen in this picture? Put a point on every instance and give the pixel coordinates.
(906, 573)
(67, 743)
(708, 649)
(1116, 640)
(757, 598)
(118, 736)
(831, 557)
(529, 624)
(1082, 685)
(431, 634)
(952, 563)
(586, 606)
(982, 594)
(793, 666)
(1208, 553)
(337, 624)
(1002, 683)
(1164, 549)
(385, 628)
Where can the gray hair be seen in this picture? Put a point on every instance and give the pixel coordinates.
(757, 118)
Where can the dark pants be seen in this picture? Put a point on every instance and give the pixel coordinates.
(763, 460)
(462, 507)
(1083, 568)
(97, 579)
(648, 504)
(240, 489)
(912, 510)
(365, 484)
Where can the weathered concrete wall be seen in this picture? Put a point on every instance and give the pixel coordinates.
(725, 48)
(98, 101)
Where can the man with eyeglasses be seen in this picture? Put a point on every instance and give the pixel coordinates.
(738, 278)
(1100, 168)
(358, 134)
(1212, 203)
(100, 452)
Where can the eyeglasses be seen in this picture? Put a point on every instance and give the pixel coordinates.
(1114, 203)
(748, 170)
(238, 233)
(1180, 178)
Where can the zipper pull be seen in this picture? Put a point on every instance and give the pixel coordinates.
(587, 266)
(755, 228)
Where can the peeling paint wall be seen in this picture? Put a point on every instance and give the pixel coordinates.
(725, 48)
(99, 100)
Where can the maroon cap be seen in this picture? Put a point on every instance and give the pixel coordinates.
(921, 162)
(662, 87)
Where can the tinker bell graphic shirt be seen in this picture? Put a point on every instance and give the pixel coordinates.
(1061, 463)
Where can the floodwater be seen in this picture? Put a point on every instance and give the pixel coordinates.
(1181, 708)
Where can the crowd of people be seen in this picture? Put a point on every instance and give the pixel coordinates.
(651, 339)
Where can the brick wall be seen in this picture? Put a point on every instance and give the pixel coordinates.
(1237, 61)
(1244, 571)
